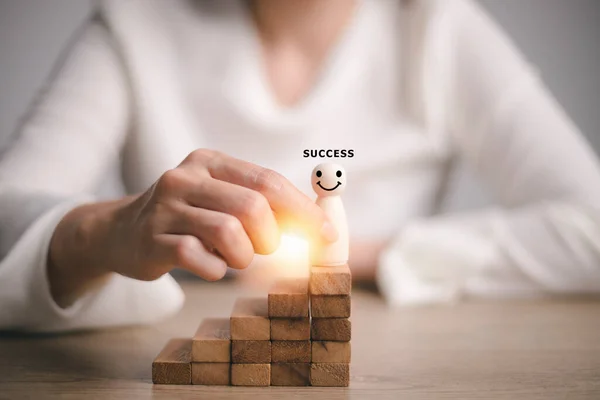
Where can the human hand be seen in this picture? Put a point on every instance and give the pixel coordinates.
(210, 212)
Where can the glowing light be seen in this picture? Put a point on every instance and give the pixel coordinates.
(293, 246)
(292, 256)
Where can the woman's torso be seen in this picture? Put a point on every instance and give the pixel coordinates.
(208, 90)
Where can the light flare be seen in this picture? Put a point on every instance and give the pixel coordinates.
(292, 256)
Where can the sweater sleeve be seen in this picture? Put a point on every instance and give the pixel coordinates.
(69, 140)
(544, 235)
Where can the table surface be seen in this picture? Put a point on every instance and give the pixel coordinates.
(538, 349)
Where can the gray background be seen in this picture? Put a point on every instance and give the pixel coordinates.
(559, 36)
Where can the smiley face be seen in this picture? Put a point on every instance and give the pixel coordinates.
(328, 179)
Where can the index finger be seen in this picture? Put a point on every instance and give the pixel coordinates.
(290, 205)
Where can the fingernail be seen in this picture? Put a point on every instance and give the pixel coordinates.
(328, 232)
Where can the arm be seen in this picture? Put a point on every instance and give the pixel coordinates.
(208, 213)
(69, 139)
(543, 238)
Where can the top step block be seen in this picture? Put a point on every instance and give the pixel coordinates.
(288, 298)
(330, 280)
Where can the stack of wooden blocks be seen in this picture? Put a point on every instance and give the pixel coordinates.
(298, 336)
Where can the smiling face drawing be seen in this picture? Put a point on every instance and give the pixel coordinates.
(328, 179)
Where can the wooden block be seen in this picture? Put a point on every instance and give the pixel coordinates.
(250, 319)
(330, 280)
(335, 329)
(329, 374)
(290, 351)
(251, 351)
(290, 328)
(212, 341)
(337, 306)
(289, 298)
(250, 374)
(330, 352)
(211, 373)
(290, 374)
(172, 365)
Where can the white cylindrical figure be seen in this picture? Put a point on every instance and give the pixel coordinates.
(329, 182)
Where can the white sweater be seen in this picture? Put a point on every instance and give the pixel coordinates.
(411, 87)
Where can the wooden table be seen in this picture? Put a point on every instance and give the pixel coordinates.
(517, 350)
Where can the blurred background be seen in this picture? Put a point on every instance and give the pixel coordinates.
(560, 37)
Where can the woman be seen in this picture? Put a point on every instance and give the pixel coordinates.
(408, 86)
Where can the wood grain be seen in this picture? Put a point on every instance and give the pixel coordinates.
(334, 329)
(212, 341)
(330, 352)
(329, 374)
(288, 298)
(291, 351)
(250, 319)
(330, 280)
(251, 351)
(290, 374)
(211, 373)
(528, 349)
(290, 328)
(337, 306)
(250, 374)
(172, 365)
